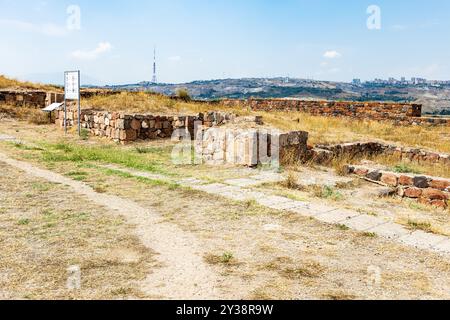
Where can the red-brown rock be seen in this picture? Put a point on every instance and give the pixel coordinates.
(361, 171)
(413, 192)
(390, 179)
(434, 194)
(440, 184)
(439, 204)
(406, 180)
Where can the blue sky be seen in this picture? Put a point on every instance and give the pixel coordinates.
(210, 39)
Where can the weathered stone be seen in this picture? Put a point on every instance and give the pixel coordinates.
(374, 175)
(406, 180)
(439, 203)
(135, 124)
(413, 192)
(361, 171)
(434, 194)
(421, 182)
(390, 179)
(128, 135)
(440, 184)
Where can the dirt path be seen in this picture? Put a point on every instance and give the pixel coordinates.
(183, 274)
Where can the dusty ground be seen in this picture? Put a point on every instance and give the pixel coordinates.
(45, 228)
(248, 251)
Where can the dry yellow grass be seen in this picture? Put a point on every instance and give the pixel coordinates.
(321, 129)
(16, 84)
(32, 115)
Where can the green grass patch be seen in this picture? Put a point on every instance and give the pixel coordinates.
(65, 152)
(404, 168)
(23, 222)
(423, 226)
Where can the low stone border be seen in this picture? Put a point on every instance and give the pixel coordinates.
(327, 152)
(428, 190)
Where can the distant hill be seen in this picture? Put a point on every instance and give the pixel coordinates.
(434, 99)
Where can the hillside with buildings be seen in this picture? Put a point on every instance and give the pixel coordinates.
(433, 95)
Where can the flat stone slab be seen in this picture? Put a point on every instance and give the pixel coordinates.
(364, 223)
(336, 216)
(390, 230)
(4, 137)
(214, 188)
(443, 247)
(274, 202)
(190, 182)
(319, 208)
(243, 182)
(268, 177)
(272, 227)
(422, 240)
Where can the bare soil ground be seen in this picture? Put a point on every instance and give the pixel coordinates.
(249, 251)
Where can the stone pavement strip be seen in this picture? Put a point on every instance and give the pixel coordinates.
(240, 190)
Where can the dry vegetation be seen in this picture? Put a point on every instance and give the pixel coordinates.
(321, 129)
(7, 83)
(32, 115)
(41, 238)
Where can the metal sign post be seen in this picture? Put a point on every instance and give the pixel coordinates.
(72, 92)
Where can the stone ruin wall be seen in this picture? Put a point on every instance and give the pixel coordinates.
(325, 153)
(401, 113)
(251, 147)
(124, 128)
(427, 190)
(34, 99)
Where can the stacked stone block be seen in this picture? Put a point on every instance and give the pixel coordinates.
(357, 149)
(125, 128)
(251, 147)
(427, 190)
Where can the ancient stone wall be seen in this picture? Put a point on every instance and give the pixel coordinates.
(360, 149)
(35, 99)
(428, 190)
(124, 128)
(401, 113)
(251, 147)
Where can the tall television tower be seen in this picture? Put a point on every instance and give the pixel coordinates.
(154, 79)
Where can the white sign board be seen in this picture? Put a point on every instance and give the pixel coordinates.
(72, 85)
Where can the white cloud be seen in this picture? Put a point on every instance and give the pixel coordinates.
(47, 29)
(102, 48)
(175, 58)
(331, 54)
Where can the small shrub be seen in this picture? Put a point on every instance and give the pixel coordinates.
(327, 192)
(369, 235)
(183, 94)
(227, 259)
(291, 181)
(342, 227)
(423, 226)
